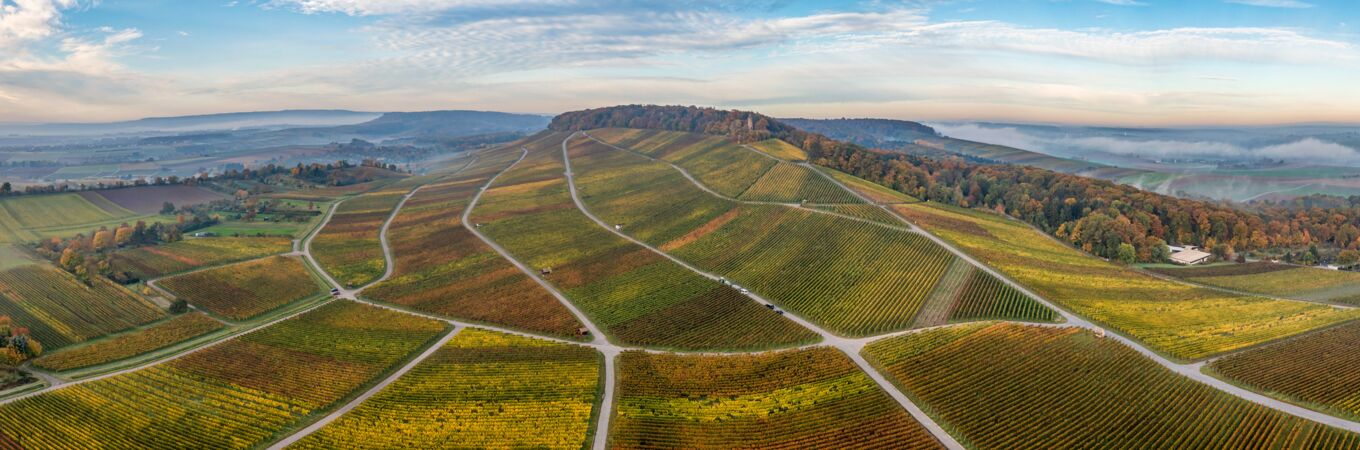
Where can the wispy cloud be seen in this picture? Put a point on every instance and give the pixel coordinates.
(1272, 3)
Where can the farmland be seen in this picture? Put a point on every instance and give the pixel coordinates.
(791, 183)
(481, 390)
(244, 391)
(1317, 370)
(245, 290)
(60, 310)
(348, 247)
(1280, 280)
(1177, 319)
(1085, 391)
(442, 268)
(160, 335)
(874, 192)
(27, 218)
(157, 261)
(149, 199)
(780, 149)
(637, 296)
(816, 265)
(813, 398)
(718, 163)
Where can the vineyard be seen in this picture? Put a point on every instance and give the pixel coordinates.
(872, 213)
(348, 247)
(164, 334)
(239, 394)
(442, 268)
(157, 261)
(813, 398)
(481, 390)
(1280, 280)
(60, 310)
(819, 266)
(245, 290)
(1317, 370)
(637, 296)
(723, 166)
(32, 217)
(1080, 391)
(1177, 319)
(874, 192)
(780, 149)
(791, 183)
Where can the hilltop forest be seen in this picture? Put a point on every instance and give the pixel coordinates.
(1097, 215)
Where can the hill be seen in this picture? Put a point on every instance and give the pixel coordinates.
(179, 124)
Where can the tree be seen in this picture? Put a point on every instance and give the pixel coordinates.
(123, 235)
(1159, 251)
(167, 208)
(1127, 254)
(179, 307)
(70, 258)
(103, 239)
(6, 189)
(1348, 257)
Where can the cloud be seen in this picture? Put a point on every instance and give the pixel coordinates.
(1272, 3)
(1123, 2)
(25, 21)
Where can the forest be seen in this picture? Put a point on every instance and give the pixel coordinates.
(1098, 216)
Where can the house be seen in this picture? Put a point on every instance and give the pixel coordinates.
(1189, 257)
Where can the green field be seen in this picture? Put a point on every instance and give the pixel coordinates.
(1279, 280)
(635, 295)
(480, 390)
(1077, 390)
(815, 398)
(852, 277)
(31, 217)
(240, 394)
(192, 253)
(1176, 319)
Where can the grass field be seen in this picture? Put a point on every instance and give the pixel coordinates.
(443, 269)
(192, 253)
(160, 335)
(780, 149)
(238, 394)
(348, 247)
(22, 217)
(1176, 319)
(816, 398)
(1317, 370)
(1279, 280)
(851, 277)
(637, 296)
(244, 290)
(1006, 386)
(481, 390)
(60, 310)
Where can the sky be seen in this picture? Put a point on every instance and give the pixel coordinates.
(1102, 62)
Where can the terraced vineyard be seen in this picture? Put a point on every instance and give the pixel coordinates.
(1317, 370)
(1082, 391)
(635, 295)
(481, 390)
(1280, 280)
(60, 310)
(813, 398)
(817, 265)
(442, 268)
(157, 261)
(1180, 320)
(348, 246)
(164, 334)
(239, 394)
(780, 149)
(792, 183)
(245, 290)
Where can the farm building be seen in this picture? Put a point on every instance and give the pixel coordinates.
(1189, 257)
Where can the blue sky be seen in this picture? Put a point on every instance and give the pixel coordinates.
(1126, 62)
